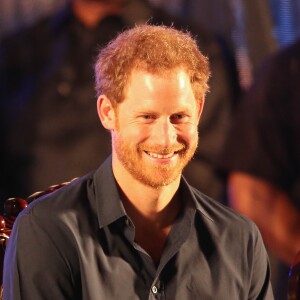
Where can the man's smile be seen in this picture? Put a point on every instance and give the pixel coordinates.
(157, 155)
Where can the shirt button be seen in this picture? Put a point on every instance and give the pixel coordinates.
(127, 222)
(154, 289)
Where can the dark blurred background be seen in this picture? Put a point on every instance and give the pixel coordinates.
(253, 28)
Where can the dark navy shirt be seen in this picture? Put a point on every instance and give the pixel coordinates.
(78, 243)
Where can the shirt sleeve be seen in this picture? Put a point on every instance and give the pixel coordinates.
(260, 285)
(36, 266)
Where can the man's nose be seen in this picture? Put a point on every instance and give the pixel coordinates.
(164, 133)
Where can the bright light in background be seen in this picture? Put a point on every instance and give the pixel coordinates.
(284, 17)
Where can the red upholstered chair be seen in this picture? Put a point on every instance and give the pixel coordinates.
(294, 280)
(12, 207)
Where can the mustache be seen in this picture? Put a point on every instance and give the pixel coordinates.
(179, 147)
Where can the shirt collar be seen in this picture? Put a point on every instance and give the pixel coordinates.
(188, 193)
(109, 204)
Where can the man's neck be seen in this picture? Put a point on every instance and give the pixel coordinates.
(91, 13)
(153, 226)
(152, 210)
(150, 202)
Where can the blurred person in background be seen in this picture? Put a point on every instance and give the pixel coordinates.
(50, 131)
(46, 88)
(262, 159)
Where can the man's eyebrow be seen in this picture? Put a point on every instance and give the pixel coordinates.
(145, 111)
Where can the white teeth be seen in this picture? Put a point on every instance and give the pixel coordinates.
(156, 155)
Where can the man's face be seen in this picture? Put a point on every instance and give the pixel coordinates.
(156, 127)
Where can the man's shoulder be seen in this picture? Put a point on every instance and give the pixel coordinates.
(74, 197)
(234, 233)
(76, 201)
(222, 216)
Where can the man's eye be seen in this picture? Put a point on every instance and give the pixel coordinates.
(178, 117)
(147, 117)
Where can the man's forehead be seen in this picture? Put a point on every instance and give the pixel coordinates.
(165, 73)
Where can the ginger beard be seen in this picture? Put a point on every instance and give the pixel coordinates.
(148, 171)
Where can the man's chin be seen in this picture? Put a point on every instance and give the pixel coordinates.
(157, 184)
(157, 179)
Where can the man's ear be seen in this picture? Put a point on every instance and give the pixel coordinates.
(200, 107)
(106, 112)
